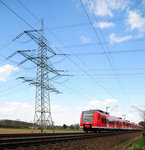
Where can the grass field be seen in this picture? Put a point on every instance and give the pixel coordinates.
(15, 131)
(138, 144)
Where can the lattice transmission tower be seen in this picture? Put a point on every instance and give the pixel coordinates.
(41, 58)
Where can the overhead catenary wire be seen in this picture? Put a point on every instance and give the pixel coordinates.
(108, 56)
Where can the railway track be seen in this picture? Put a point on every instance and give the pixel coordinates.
(36, 134)
(14, 142)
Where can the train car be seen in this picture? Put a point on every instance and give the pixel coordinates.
(98, 120)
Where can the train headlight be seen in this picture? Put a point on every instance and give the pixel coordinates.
(94, 122)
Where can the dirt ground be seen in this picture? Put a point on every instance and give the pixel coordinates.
(15, 131)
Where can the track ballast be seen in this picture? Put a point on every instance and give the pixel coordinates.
(20, 140)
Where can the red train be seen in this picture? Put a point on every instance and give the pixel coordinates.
(98, 120)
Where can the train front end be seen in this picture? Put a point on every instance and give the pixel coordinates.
(87, 120)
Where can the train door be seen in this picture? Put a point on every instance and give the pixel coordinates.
(115, 124)
(103, 121)
(107, 122)
(99, 120)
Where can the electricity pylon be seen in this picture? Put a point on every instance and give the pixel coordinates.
(42, 115)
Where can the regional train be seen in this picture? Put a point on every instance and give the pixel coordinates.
(98, 120)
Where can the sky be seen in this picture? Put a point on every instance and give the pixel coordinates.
(103, 43)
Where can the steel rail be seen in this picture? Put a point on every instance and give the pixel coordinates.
(43, 140)
(36, 134)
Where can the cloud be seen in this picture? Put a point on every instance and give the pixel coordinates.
(114, 39)
(106, 7)
(17, 110)
(103, 24)
(5, 71)
(60, 115)
(114, 111)
(25, 112)
(103, 102)
(134, 105)
(85, 39)
(135, 21)
(143, 1)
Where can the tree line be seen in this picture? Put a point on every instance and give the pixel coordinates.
(22, 124)
(14, 124)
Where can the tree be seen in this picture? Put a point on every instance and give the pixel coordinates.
(64, 126)
(142, 123)
(71, 127)
(74, 126)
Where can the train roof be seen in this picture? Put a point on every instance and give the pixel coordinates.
(99, 111)
(113, 117)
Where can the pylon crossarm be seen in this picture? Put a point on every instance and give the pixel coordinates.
(39, 41)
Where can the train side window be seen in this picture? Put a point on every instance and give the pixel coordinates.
(107, 121)
(99, 116)
(103, 120)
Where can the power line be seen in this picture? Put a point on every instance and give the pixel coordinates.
(97, 44)
(103, 69)
(13, 91)
(16, 14)
(21, 17)
(69, 26)
(113, 65)
(81, 23)
(74, 55)
(93, 79)
(75, 91)
(111, 61)
(122, 74)
(15, 63)
(27, 9)
(110, 52)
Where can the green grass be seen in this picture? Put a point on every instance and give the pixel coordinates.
(138, 144)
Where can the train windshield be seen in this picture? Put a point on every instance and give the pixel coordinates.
(88, 116)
